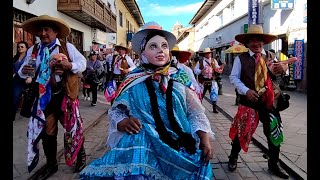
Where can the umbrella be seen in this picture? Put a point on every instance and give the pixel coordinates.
(236, 49)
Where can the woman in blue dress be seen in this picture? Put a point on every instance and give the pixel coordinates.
(158, 128)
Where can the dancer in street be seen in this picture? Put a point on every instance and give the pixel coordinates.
(205, 69)
(55, 83)
(158, 128)
(252, 75)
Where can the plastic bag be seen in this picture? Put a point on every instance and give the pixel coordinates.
(110, 91)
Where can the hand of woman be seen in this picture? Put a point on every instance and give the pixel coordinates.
(205, 146)
(130, 125)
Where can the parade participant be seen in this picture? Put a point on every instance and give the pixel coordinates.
(205, 69)
(122, 64)
(136, 60)
(158, 127)
(218, 75)
(18, 82)
(179, 58)
(56, 87)
(252, 75)
(109, 62)
(93, 73)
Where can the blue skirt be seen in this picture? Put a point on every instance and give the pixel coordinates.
(144, 156)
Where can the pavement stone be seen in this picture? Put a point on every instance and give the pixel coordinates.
(248, 164)
(88, 113)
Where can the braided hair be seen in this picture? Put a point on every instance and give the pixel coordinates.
(184, 140)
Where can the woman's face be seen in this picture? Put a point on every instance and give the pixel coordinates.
(157, 51)
(22, 48)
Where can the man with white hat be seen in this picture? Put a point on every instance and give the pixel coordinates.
(252, 75)
(123, 64)
(56, 94)
(205, 69)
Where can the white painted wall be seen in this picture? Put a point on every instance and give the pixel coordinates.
(184, 44)
(286, 21)
(228, 32)
(204, 37)
(112, 3)
(275, 22)
(49, 7)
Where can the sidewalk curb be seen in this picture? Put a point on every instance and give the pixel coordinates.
(285, 163)
(60, 151)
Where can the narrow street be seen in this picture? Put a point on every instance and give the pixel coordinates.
(251, 165)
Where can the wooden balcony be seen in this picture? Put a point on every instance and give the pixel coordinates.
(93, 13)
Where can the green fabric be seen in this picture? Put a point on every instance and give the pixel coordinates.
(276, 132)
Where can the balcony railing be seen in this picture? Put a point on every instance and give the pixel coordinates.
(93, 13)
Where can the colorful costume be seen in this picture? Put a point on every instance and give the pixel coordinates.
(145, 155)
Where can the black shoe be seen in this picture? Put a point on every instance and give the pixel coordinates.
(80, 166)
(232, 164)
(276, 170)
(93, 104)
(214, 109)
(47, 171)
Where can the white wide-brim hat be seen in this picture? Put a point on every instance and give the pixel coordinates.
(206, 50)
(145, 30)
(121, 45)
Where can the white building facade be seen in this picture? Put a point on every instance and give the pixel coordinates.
(82, 33)
(216, 26)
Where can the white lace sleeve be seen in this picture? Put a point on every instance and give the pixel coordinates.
(116, 114)
(196, 115)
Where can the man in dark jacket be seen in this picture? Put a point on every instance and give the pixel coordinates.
(252, 75)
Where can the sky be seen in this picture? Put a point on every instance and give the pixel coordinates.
(168, 12)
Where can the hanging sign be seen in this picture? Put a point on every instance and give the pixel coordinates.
(282, 4)
(253, 12)
(298, 65)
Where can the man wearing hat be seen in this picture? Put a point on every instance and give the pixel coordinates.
(122, 64)
(205, 69)
(93, 73)
(179, 59)
(252, 75)
(56, 84)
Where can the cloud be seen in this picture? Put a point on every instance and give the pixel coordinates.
(154, 9)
